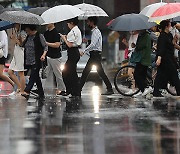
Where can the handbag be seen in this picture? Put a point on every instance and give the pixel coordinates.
(136, 57)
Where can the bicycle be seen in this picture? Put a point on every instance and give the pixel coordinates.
(125, 84)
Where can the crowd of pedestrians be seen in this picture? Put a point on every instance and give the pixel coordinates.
(32, 49)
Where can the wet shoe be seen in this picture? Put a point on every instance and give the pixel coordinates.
(130, 92)
(108, 93)
(12, 94)
(139, 94)
(147, 91)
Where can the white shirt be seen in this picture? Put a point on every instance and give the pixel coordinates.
(74, 36)
(4, 42)
(132, 39)
(96, 41)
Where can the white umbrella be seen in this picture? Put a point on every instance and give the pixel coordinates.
(21, 17)
(148, 10)
(60, 13)
(91, 10)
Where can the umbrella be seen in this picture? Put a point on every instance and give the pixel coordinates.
(91, 10)
(167, 11)
(60, 13)
(148, 10)
(5, 25)
(10, 9)
(130, 22)
(38, 10)
(21, 17)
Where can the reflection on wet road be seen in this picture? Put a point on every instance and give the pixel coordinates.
(94, 124)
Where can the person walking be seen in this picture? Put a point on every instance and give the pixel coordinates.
(142, 57)
(95, 50)
(17, 63)
(166, 65)
(4, 47)
(35, 52)
(54, 56)
(73, 40)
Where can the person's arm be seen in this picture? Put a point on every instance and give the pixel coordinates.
(43, 42)
(94, 40)
(53, 45)
(69, 44)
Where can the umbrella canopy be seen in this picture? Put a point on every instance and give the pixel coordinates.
(60, 13)
(148, 10)
(91, 10)
(21, 17)
(130, 22)
(5, 25)
(167, 11)
(10, 9)
(38, 10)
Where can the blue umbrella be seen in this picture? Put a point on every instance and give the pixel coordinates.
(5, 25)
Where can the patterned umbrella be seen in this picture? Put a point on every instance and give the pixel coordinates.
(130, 22)
(91, 10)
(148, 10)
(38, 10)
(167, 11)
(21, 17)
(60, 13)
(10, 9)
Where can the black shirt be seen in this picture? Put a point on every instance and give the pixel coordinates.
(52, 37)
(165, 47)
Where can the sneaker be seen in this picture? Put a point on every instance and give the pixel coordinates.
(147, 91)
(108, 93)
(139, 94)
(62, 93)
(12, 94)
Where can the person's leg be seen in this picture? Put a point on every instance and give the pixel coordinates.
(56, 66)
(22, 81)
(85, 73)
(4, 77)
(14, 78)
(32, 80)
(140, 74)
(39, 83)
(66, 76)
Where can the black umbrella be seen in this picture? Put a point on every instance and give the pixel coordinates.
(131, 22)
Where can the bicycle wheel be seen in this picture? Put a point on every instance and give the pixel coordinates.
(124, 81)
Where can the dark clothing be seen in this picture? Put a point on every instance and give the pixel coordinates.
(167, 71)
(140, 74)
(34, 78)
(2, 60)
(143, 45)
(95, 59)
(52, 37)
(38, 49)
(69, 74)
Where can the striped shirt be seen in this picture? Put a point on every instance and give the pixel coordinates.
(96, 41)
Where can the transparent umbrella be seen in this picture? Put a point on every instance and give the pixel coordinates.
(60, 13)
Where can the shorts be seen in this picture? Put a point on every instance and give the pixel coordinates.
(2, 60)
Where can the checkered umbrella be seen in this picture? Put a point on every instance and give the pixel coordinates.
(91, 10)
(21, 17)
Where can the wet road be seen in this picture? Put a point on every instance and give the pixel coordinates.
(94, 124)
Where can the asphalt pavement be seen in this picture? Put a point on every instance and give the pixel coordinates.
(94, 124)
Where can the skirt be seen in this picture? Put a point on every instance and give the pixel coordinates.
(17, 63)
